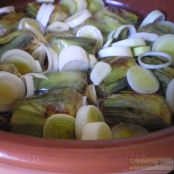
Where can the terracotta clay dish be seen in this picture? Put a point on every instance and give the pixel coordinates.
(22, 154)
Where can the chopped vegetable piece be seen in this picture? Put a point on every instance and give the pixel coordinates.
(58, 80)
(66, 101)
(149, 111)
(85, 115)
(59, 126)
(127, 130)
(73, 58)
(91, 32)
(27, 123)
(142, 80)
(165, 44)
(99, 72)
(21, 42)
(96, 131)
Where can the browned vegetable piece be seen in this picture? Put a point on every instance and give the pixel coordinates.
(149, 111)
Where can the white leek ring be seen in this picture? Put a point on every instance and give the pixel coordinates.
(108, 43)
(12, 88)
(28, 80)
(152, 37)
(155, 54)
(73, 58)
(121, 51)
(141, 50)
(91, 32)
(81, 4)
(20, 55)
(58, 27)
(99, 72)
(45, 13)
(7, 9)
(26, 22)
(78, 18)
(131, 29)
(152, 17)
(135, 42)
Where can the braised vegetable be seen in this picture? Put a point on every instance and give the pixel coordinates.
(9, 23)
(81, 70)
(58, 80)
(20, 40)
(149, 111)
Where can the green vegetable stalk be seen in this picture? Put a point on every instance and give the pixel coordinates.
(29, 115)
(65, 101)
(149, 111)
(58, 14)
(121, 15)
(31, 9)
(127, 130)
(9, 23)
(157, 28)
(116, 80)
(164, 75)
(58, 80)
(17, 39)
(27, 123)
(59, 43)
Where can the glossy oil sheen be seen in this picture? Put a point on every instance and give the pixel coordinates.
(20, 154)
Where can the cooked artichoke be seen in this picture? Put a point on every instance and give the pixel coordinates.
(58, 43)
(58, 80)
(116, 80)
(9, 22)
(127, 130)
(149, 111)
(65, 101)
(17, 39)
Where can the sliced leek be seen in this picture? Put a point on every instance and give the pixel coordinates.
(23, 60)
(28, 80)
(120, 51)
(81, 4)
(165, 44)
(11, 88)
(69, 6)
(130, 28)
(134, 42)
(91, 93)
(78, 18)
(92, 61)
(142, 80)
(85, 115)
(73, 58)
(153, 55)
(44, 13)
(58, 27)
(137, 51)
(155, 15)
(59, 126)
(99, 72)
(95, 5)
(152, 37)
(96, 131)
(91, 32)
(32, 22)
